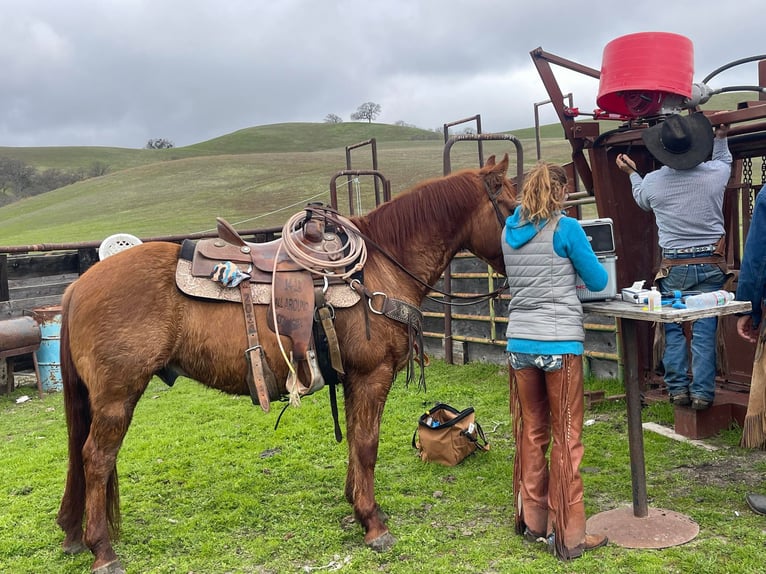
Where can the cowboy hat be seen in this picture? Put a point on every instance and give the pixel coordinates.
(680, 142)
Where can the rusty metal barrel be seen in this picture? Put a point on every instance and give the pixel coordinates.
(47, 357)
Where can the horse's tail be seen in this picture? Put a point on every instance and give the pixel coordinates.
(79, 419)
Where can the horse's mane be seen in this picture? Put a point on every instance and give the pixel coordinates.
(440, 204)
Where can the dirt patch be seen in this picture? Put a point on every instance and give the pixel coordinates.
(746, 469)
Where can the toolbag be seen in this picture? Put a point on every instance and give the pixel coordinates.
(446, 436)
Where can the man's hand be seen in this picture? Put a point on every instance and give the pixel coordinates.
(626, 164)
(721, 130)
(746, 330)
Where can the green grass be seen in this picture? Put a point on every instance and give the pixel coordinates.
(208, 485)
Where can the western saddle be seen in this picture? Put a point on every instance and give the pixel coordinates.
(304, 274)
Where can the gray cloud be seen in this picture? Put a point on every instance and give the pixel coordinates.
(118, 72)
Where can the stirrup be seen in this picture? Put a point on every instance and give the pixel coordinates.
(295, 388)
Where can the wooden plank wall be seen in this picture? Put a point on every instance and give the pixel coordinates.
(34, 280)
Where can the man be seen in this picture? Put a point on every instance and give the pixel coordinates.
(686, 196)
(751, 286)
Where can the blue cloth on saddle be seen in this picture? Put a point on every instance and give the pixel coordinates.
(228, 274)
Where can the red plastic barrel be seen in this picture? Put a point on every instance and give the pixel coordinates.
(639, 71)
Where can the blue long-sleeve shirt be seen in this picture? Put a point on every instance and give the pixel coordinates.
(751, 285)
(688, 203)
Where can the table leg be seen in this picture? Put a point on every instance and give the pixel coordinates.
(639, 526)
(635, 431)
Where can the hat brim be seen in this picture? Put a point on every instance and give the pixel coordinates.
(701, 134)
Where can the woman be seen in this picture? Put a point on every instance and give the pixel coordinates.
(544, 252)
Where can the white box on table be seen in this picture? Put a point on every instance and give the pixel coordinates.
(585, 294)
(636, 293)
(600, 233)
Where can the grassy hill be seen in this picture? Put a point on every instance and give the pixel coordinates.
(255, 177)
(277, 138)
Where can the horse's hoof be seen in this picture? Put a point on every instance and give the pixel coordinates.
(113, 567)
(382, 543)
(74, 548)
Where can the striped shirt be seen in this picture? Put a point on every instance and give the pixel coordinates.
(688, 203)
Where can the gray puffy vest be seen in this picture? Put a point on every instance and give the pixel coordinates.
(544, 304)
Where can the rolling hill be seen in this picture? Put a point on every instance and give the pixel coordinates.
(255, 177)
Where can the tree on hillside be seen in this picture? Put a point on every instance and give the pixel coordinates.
(17, 179)
(15, 176)
(333, 119)
(367, 111)
(159, 143)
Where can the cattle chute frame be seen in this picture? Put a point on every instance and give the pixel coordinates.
(634, 228)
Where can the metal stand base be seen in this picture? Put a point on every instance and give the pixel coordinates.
(660, 529)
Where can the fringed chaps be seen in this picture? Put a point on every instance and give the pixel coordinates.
(754, 428)
(545, 407)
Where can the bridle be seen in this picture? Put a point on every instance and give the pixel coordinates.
(465, 299)
(493, 195)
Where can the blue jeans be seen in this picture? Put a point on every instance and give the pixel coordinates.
(702, 277)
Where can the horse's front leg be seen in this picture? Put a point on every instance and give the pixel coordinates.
(365, 398)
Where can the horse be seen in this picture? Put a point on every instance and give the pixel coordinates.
(125, 320)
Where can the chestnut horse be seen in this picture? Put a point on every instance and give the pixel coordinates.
(125, 321)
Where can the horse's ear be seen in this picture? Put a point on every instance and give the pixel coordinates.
(503, 165)
(492, 168)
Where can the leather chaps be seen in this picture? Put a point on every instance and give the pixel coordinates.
(547, 407)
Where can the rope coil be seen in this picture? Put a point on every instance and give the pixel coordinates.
(303, 254)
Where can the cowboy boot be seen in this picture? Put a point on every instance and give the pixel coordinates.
(575, 529)
(565, 393)
(532, 441)
(757, 503)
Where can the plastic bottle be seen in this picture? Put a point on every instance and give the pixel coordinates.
(709, 300)
(654, 300)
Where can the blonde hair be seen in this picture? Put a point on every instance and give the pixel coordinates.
(541, 194)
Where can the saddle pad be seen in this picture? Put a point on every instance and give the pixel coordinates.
(339, 296)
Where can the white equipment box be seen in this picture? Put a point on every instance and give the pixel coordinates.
(600, 233)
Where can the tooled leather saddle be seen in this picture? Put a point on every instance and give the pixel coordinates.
(301, 276)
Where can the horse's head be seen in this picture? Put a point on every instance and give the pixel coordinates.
(488, 221)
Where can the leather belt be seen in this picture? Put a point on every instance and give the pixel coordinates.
(701, 250)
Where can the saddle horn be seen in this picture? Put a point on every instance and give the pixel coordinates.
(228, 233)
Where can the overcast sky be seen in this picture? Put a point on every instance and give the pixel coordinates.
(119, 72)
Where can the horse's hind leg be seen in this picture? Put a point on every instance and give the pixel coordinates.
(110, 424)
(365, 399)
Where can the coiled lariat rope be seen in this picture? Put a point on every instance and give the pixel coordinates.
(351, 255)
(348, 259)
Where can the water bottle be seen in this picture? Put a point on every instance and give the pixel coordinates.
(654, 300)
(708, 300)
